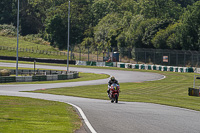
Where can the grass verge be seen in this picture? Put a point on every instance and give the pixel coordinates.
(32, 55)
(11, 42)
(173, 91)
(38, 116)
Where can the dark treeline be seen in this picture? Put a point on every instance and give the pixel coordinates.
(163, 24)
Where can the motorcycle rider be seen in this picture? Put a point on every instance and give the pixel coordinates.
(111, 81)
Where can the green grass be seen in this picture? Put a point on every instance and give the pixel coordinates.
(173, 91)
(21, 115)
(32, 55)
(12, 42)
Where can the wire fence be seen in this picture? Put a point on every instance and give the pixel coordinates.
(130, 55)
(168, 57)
(33, 50)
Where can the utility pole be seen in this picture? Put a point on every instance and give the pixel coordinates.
(68, 38)
(17, 39)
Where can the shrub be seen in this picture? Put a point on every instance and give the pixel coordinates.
(8, 30)
(5, 72)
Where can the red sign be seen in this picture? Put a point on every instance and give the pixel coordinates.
(165, 58)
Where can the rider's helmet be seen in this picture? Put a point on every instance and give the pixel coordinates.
(112, 78)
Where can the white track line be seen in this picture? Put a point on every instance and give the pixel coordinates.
(84, 118)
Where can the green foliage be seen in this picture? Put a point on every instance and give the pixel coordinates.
(160, 9)
(57, 31)
(87, 42)
(107, 30)
(165, 38)
(8, 30)
(151, 31)
(189, 32)
(140, 32)
(116, 23)
(100, 8)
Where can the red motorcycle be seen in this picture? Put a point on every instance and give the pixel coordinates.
(114, 93)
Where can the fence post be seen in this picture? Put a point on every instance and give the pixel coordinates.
(79, 53)
(145, 54)
(184, 58)
(192, 59)
(162, 57)
(169, 58)
(97, 55)
(88, 54)
(154, 60)
(129, 55)
(176, 58)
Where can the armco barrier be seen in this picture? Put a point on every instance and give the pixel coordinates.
(90, 63)
(39, 78)
(121, 65)
(139, 66)
(6, 79)
(62, 77)
(101, 64)
(75, 75)
(70, 76)
(146, 67)
(136, 66)
(150, 67)
(171, 69)
(23, 78)
(52, 77)
(114, 64)
(133, 66)
(154, 67)
(175, 69)
(109, 64)
(128, 65)
(82, 63)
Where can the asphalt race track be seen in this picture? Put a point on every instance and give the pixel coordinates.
(124, 117)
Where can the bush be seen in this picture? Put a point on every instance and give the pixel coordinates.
(8, 30)
(5, 72)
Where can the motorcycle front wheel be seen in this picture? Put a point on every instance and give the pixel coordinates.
(116, 98)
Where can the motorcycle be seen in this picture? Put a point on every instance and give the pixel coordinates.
(114, 93)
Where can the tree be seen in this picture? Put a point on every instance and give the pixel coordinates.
(79, 23)
(129, 24)
(152, 30)
(107, 30)
(165, 39)
(188, 33)
(100, 8)
(8, 11)
(185, 3)
(57, 32)
(163, 9)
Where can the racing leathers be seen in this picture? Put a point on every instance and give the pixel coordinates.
(109, 85)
